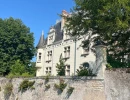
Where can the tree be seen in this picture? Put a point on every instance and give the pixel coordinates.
(60, 67)
(108, 19)
(16, 42)
(17, 68)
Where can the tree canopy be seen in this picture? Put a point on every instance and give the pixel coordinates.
(16, 43)
(109, 19)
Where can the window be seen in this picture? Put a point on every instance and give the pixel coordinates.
(48, 70)
(67, 52)
(67, 70)
(86, 65)
(49, 55)
(39, 57)
(50, 39)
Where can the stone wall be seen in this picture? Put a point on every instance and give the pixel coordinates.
(84, 89)
(115, 86)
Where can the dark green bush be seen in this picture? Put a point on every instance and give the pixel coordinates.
(70, 90)
(26, 85)
(83, 71)
(61, 86)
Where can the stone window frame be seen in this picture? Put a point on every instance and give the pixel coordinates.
(39, 57)
(48, 70)
(67, 52)
(49, 56)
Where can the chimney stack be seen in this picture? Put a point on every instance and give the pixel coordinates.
(64, 14)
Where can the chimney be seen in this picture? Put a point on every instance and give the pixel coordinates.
(64, 14)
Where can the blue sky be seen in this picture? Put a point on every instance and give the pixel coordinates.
(37, 14)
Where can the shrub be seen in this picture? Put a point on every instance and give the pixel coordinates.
(47, 86)
(70, 90)
(47, 78)
(60, 67)
(11, 75)
(26, 85)
(8, 90)
(108, 66)
(61, 86)
(26, 74)
(83, 71)
(32, 88)
(17, 67)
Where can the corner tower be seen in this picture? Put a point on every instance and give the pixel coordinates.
(40, 56)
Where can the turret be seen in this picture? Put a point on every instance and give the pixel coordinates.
(40, 55)
(41, 41)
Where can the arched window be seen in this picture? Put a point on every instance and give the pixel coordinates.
(86, 65)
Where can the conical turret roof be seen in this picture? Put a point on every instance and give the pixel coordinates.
(41, 41)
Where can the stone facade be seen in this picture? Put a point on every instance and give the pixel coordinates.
(60, 44)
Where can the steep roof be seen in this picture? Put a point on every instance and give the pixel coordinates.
(41, 42)
(59, 32)
(58, 36)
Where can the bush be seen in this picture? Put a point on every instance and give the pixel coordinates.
(26, 85)
(61, 86)
(108, 66)
(47, 86)
(26, 74)
(47, 78)
(8, 90)
(83, 71)
(17, 67)
(70, 90)
(16, 75)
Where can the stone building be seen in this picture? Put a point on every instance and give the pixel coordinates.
(59, 44)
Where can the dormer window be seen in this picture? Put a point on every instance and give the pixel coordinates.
(66, 35)
(51, 36)
(50, 39)
(52, 30)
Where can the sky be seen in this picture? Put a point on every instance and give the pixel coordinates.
(38, 15)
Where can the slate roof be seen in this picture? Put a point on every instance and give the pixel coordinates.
(58, 36)
(59, 33)
(41, 42)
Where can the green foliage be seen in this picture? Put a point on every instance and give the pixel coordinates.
(108, 19)
(18, 70)
(16, 43)
(17, 75)
(60, 68)
(108, 66)
(8, 90)
(83, 71)
(47, 86)
(116, 63)
(61, 86)
(70, 90)
(17, 67)
(47, 78)
(32, 88)
(31, 69)
(26, 84)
